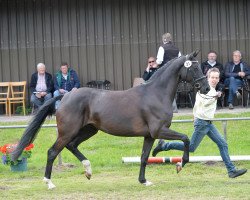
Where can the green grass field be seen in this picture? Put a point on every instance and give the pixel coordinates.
(114, 180)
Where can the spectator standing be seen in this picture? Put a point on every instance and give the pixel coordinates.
(167, 51)
(41, 86)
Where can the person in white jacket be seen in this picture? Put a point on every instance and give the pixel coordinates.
(203, 111)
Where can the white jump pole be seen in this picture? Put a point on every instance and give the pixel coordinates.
(179, 159)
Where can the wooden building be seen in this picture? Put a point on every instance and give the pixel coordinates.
(112, 39)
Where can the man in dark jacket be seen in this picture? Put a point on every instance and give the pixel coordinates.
(150, 70)
(235, 71)
(210, 63)
(65, 80)
(41, 86)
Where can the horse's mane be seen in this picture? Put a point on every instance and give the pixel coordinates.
(160, 70)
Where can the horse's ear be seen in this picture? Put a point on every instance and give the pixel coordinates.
(196, 52)
(193, 54)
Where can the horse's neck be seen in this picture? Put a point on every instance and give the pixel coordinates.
(167, 82)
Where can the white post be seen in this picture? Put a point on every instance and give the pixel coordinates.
(224, 123)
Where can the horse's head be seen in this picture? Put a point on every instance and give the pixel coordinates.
(192, 73)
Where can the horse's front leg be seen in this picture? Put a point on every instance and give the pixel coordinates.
(186, 142)
(147, 146)
(168, 134)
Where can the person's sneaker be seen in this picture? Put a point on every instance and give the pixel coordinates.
(238, 95)
(230, 106)
(237, 173)
(158, 148)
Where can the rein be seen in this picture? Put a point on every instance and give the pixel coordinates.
(198, 79)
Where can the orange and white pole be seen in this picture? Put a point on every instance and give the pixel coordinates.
(179, 159)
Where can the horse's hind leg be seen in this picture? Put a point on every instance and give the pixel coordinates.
(147, 145)
(84, 134)
(52, 154)
(65, 135)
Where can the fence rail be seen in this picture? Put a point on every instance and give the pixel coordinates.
(223, 120)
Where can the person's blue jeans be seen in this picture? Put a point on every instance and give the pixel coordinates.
(39, 101)
(202, 128)
(57, 93)
(232, 84)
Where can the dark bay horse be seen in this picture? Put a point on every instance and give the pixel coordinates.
(144, 111)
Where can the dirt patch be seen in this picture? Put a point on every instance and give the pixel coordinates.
(213, 163)
(4, 188)
(63, 167)
(210, 163)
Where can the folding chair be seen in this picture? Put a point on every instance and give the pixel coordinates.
(246, 86)
(99, 84)
(184, 90)
(4, 95)
(18, 92)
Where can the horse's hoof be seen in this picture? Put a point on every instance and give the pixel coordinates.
(51, 186)
(49, 183)
(147, 183)
(88, 170)
(178, 167)
(88, 175)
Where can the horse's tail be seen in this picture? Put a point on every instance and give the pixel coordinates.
(34, 126)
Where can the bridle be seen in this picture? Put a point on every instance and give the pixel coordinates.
(196, 84)
(194, 75)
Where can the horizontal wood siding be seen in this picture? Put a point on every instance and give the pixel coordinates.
(112, 39)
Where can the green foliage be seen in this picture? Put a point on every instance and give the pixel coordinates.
(113, 179)
(8, 161)
(10, 147)
(19, 110)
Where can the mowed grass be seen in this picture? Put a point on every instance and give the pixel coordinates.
(113, 179)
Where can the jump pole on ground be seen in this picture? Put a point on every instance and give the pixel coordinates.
(179, 159)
